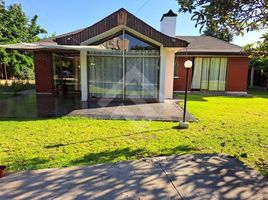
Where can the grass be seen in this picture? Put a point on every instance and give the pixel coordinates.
(233, 125)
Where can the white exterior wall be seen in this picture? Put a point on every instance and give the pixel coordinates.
(162, 77)
(166, 74)
(84, 76)
(168, 26)
(169, 74)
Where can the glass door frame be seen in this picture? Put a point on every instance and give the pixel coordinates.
(124, 56)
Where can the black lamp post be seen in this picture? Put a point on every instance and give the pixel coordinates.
(188, 65)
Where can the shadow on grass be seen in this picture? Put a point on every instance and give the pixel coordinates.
(128, 154)
(26, 164)
(202, 97)
(258, 93)
(108, 156)
(262, 165)
(193, 97)
(103, 139)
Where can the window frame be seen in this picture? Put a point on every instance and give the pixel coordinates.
(123, 53)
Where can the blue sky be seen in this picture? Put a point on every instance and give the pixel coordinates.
(63, 16)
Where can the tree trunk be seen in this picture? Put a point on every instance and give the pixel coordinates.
(5, 68)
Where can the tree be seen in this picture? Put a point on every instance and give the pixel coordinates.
(16, 27)
(259, 56)
(49, 36)
(225, 35)
(236, 15)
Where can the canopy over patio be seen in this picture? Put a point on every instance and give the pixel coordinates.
(50, 46)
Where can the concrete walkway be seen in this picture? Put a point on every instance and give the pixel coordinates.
(197, 177)
(167, 111)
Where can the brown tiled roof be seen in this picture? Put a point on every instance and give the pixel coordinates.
(120, 17)
(209, 45)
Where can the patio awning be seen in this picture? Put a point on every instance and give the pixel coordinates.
(47, 46)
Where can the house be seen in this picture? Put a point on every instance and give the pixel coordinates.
(122, 57)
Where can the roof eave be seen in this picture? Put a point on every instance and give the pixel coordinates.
(204, 53)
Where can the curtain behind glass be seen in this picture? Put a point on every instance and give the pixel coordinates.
(142, 76)
(133, 77)
(214, 74)
(150, 78)
(141, 64)
(196, 81)
(222, 76)
(105, 76)
(205, 73)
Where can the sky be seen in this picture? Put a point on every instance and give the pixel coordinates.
(61, 16)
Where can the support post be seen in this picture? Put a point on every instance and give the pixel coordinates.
(76, 75)
(252, 77)
(166, 73)
(185, 96)
(84, 75)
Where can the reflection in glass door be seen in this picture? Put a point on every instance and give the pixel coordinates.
(124, 67)
(133, 80)
(105, 75)
(66, 73)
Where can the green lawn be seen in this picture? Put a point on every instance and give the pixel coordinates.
(237, 126)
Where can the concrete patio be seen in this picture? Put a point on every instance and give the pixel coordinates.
(32, 106)
(198, 177)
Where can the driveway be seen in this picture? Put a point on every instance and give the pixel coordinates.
(198, 177)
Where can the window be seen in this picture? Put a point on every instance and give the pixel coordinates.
(135, 44)
(124, 67)
(209, 74)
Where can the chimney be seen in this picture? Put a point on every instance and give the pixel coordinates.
(168, 23)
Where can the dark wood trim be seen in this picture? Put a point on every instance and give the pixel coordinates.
(120, 17)
(182, 53)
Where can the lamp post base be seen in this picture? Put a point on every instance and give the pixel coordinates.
(184, 125)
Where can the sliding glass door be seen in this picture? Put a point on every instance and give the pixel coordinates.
(134, 76)
(124, 67)
(105, 76)
(66, 73)
(209, 74)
